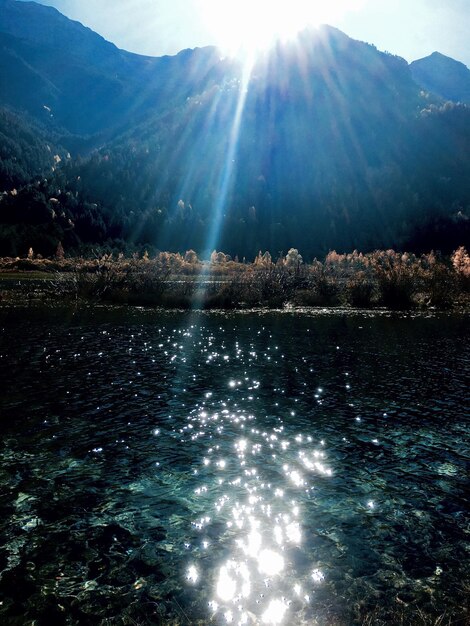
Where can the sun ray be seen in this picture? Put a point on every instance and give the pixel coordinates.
(227, 173)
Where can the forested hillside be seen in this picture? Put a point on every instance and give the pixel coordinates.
(326, 143)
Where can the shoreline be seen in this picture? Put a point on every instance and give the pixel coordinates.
(17, 299)
(22, 291)
(380, 280)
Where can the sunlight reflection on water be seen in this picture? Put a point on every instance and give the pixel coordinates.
(259, 508)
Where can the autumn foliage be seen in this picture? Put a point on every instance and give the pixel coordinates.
(384, 278)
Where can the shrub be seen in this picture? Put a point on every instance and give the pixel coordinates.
(397, 276)
(360, 291)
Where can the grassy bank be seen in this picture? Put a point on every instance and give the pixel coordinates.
(380, 279)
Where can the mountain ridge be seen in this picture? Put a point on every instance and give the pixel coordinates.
(121, 74)
(444, 76)
(68, 55)
(330, 144)
(56, 12)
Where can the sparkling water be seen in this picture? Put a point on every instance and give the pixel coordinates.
(245, 468)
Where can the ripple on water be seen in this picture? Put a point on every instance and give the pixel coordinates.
(255, 469)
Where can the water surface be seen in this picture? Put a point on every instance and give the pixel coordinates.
(281, 468)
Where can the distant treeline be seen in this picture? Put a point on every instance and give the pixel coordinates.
(382, 278)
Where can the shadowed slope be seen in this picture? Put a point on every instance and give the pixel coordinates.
(443, 76)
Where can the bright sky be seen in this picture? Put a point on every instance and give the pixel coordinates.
(409, 28)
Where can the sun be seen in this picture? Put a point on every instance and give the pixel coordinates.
(250, 26)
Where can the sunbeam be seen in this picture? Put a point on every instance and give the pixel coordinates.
(227, 173)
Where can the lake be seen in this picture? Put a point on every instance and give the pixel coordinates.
(245, 468)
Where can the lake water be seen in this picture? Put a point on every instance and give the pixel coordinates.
(246, 468)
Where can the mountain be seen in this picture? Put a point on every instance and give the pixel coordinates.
(443, 76)
(65, 75)
(325, 143)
